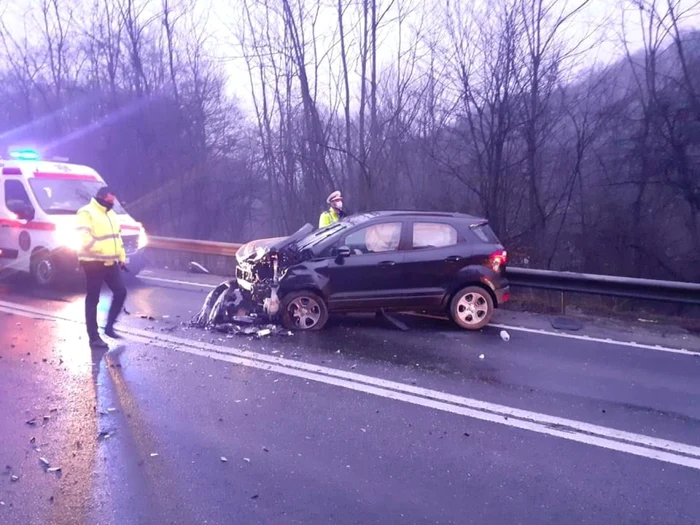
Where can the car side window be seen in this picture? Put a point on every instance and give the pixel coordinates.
(16, 197)
(377, 238)
(433, 235)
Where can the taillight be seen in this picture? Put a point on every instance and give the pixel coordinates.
(498, 259)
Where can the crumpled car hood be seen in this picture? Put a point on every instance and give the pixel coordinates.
(257, 249)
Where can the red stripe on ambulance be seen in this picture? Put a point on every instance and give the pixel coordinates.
(64, 176)
(32, 225)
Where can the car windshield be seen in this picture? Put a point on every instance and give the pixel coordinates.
(321, 235)
(66, 197)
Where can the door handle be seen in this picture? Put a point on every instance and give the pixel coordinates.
(453, 258)
(386, 264)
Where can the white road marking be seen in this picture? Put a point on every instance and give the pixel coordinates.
(538, 331)
(612, 439)
(592, 339)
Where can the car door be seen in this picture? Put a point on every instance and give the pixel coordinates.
(437, 252)
(12, 198)
(371, 277)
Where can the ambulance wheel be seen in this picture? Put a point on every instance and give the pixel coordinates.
(43, 268)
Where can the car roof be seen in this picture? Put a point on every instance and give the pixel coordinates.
(426, 214)
(30, 167)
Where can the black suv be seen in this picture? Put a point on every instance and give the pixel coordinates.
(405, 261)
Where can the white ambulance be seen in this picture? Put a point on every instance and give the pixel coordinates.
(38, 204)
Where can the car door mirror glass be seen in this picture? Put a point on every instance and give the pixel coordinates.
(343, 251)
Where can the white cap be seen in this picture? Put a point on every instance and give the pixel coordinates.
(334, 196)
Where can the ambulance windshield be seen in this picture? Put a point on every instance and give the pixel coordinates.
(65, 196)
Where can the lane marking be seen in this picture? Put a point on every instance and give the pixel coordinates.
(632, 344)
(612, 439)
(537, 331)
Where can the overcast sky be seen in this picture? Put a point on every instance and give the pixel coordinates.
(601, 22)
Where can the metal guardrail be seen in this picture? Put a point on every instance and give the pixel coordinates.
(609, 285)
(191, 246)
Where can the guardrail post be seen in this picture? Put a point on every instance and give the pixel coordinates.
(563, 302)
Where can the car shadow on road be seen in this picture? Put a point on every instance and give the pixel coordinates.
(430, 344)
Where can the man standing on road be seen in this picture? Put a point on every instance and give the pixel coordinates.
(335, 213)
(102, 257)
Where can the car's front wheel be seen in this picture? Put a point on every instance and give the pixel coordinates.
(472, 308)
(43, 269)
(304, 310)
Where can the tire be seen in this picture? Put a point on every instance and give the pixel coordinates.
(472, 308)
(43, 269)
(316, 317)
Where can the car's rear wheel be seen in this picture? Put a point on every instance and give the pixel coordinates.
(472, 308)
(304, 310)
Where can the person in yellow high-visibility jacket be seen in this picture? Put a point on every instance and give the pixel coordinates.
(102, 257)
(334, 213)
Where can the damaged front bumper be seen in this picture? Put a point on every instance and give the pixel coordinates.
(230, 310)
(261, 282)
(252, 296)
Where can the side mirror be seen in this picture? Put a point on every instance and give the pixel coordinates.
(343, 251)
(26, 213)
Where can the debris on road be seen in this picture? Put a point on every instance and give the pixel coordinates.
(14, 478)
(195, 267)
(505, 335)
(224, 459)
(566, 323)
(382, 314)
(482, 356)
(111, 410)
(32, 422)
(247, 460)
(227, 311)
(53, 469)
(44, 462)
(265, 449)
(154, 454)
(254, 496)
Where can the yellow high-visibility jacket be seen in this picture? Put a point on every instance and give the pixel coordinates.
(100, 234)
(327, 218)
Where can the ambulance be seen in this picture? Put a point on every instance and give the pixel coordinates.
(39, 200)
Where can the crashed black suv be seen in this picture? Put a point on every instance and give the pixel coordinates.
(400, 261)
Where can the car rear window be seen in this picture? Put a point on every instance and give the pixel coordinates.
(485, 233)
(433, 235)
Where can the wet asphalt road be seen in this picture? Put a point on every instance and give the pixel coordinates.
(359, 424)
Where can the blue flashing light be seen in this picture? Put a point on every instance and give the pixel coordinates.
(25, 154)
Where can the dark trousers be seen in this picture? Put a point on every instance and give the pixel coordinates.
(97, 273)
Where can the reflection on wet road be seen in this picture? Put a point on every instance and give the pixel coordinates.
(360, 423)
